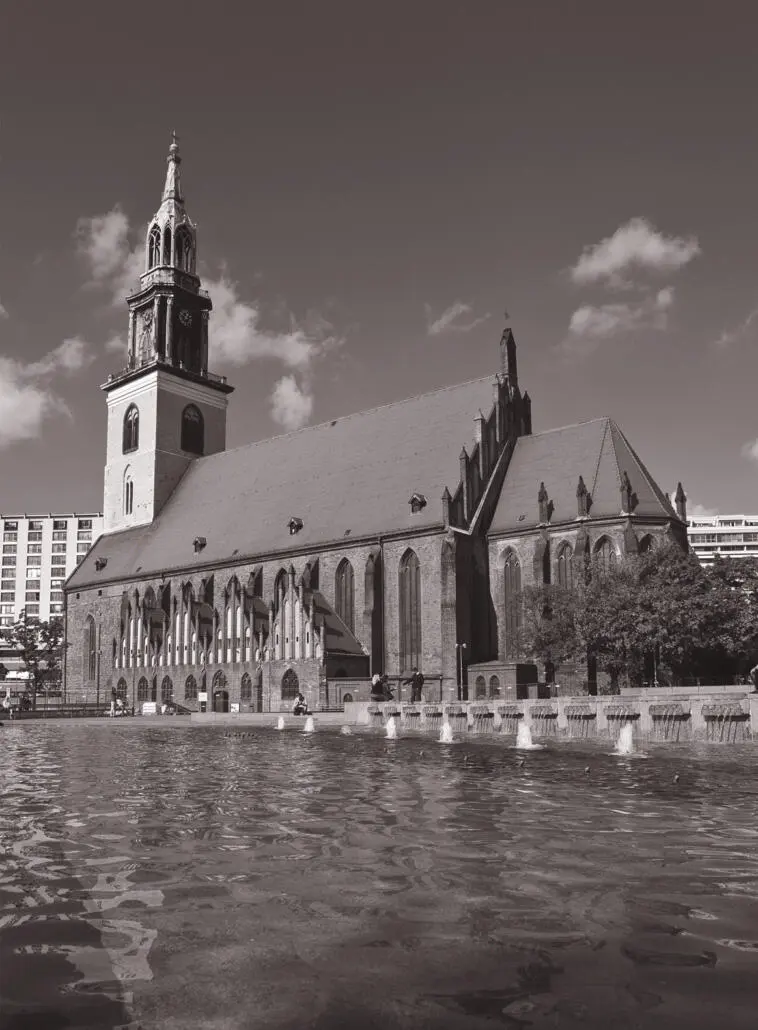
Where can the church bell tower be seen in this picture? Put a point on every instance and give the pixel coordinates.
(165, 409)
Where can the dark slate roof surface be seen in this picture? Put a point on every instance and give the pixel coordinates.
(596, 450)
(353, 477)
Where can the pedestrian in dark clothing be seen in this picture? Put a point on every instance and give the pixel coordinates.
(416, 682)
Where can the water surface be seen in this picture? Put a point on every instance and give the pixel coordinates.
(199, 878)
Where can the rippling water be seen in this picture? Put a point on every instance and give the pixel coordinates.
(160, 876)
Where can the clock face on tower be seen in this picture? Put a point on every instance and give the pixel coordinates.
(185, 317)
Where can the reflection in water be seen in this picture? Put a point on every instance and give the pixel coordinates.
(171, 877)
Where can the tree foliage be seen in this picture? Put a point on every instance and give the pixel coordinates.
(660, 615)
(40, 643)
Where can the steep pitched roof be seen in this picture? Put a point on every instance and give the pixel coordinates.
(596, 450)
(353, 476)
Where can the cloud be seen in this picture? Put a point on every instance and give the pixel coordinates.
(115, 345)
(731, 336)
(26, 400)
(291, 404)
(750, 450)
(699, 511)
(69, 356)
(237, 336)
(591, 324)
(3, 312)
(634, 245)
(103, 241)
(446, 321)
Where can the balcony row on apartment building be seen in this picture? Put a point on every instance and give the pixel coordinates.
(39, 553)
(731, 536)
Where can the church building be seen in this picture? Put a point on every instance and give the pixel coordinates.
(392, 539)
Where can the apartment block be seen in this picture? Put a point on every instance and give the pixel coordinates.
(731, 536)
(39, 552)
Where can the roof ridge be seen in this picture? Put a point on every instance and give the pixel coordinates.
(352, 414)
(572, 425)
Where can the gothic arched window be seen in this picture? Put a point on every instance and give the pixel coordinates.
(183, 246)
(90, 649)
(512, 590)
(565, 570)
(494, 686)
(480, 688)
(154, 247)
(167, 246)
(647, 543)
(190, 689)
(193, 430)
(130, 441)
(121, 689)
(246, 688)
(290, 685)
(410, 612)
(143, 690)
(344, 593)
(167, 689)
(605, 556)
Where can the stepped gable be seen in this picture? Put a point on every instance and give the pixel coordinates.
(596, 450)
(346, 479)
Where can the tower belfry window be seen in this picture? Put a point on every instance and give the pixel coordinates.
(167, 246)
(154, 247)
(193, 430)
(131, 429)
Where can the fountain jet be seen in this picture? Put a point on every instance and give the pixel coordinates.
(446, 733)
(625, 743)
(391, 728)
(280, 723)
(524, 740)
(309, 725)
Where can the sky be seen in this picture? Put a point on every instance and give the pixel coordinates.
(375, 186)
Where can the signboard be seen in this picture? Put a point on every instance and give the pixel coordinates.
(149, 708)
(203, 695)
(234, 706)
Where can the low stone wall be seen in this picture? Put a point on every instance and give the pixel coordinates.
(721, 716)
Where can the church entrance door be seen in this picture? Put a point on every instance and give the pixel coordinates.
(220, 700)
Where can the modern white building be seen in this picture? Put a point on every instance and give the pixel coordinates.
(39, 553)
(731, 536)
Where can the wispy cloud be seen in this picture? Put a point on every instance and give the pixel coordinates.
(446, 322)
(592, 324)
(291, 403)
(736, 335)
(238, 334)
(104, 242)
(637, 244)
(750, 450)
(699, 511)
(26, 396)
(3, 312)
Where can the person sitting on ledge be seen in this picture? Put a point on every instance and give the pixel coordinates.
(299, 707)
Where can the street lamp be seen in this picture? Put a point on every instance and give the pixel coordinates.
(460, 648)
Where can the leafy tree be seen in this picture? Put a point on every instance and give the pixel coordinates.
(549, 624)
(40, 644)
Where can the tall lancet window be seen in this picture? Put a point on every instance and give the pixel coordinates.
(183, 245)
(344, 593)
(154, 247)
(410, 612)
(512, 589)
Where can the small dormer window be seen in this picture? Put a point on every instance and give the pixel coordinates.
(199, 543)
(100, 564)
(417, 502)
(294, 525)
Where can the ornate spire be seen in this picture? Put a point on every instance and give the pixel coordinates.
(173, 188)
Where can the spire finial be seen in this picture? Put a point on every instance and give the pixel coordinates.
(173, 189)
